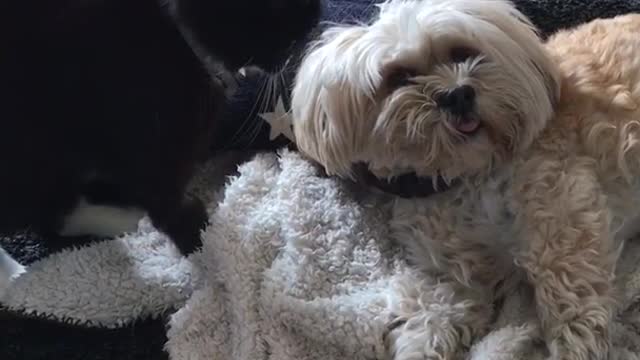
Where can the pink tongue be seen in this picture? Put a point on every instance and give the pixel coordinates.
(468, 125)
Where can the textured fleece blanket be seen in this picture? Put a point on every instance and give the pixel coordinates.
(112, 299)
(295, 266)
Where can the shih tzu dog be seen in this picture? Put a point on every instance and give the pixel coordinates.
(115, 102)
(540, 143)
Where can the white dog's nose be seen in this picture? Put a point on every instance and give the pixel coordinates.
(458, 101)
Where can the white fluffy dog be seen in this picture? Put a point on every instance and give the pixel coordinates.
(543, 139)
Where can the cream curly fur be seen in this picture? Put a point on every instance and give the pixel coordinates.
(550, 181)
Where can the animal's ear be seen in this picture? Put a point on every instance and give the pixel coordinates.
(332, 95)
(542, 61)
(520, 28)
(551, 76)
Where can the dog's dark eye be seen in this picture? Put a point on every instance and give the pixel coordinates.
(399, 77)
(461, 54)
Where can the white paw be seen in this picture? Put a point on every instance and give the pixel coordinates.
(421, 339)
(9, 270)
(100, 220)
(434, 322)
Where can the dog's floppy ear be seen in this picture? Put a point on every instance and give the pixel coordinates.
(544, 73)
(551, 76)
(333, 94)
(526, 33)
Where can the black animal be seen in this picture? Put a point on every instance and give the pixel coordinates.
(118, 100)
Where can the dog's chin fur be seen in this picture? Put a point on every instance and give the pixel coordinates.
(349, 106)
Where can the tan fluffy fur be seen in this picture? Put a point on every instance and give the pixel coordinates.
(555, 205)
(577, 187)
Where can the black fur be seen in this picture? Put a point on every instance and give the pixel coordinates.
(108, 94)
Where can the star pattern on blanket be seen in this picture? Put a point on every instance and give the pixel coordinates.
(280, 121)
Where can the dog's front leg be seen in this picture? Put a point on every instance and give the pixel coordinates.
(564, 221)
(436, 320)
(447, 303)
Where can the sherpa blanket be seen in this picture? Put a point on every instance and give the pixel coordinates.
(311, 274)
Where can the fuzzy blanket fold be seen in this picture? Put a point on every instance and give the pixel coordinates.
(295, 269)
(295, 266)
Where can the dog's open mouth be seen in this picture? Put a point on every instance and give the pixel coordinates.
(468, 125)
(408, 185)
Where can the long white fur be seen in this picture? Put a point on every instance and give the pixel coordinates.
(338, 96)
